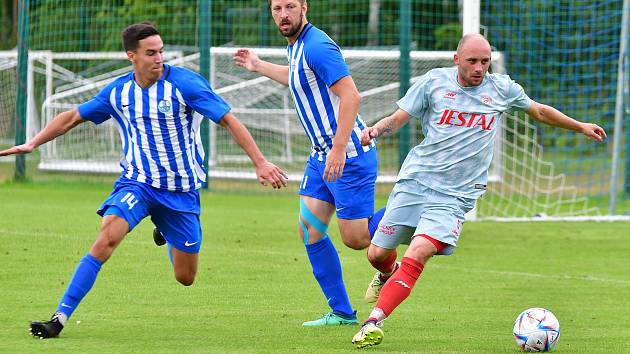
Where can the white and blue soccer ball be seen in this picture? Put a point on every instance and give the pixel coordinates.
(536, 330)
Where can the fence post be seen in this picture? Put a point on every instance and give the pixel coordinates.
(626, 96)
(22, 87)
(404, 72)
(204, 35)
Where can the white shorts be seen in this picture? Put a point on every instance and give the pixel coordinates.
(414, 209)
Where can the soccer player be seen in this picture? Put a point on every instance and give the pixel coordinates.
(460, 109)
(340, 173)
(158, 109)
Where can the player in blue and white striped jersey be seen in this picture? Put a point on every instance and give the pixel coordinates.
(158, 109)
(340, 173)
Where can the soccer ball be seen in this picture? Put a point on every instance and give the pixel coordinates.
(536, 330)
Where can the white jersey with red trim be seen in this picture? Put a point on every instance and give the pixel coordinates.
(459, 125)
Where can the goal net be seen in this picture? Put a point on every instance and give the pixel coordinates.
(8, 91)
(263, 105)
(522, 184)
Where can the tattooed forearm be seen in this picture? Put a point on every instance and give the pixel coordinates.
(387, 126)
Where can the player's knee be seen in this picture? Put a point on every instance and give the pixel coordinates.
(377, 254)
(104, 246)
(421, 251)
(185, 274)
(186, 281)
(185, 278)
(311, 228)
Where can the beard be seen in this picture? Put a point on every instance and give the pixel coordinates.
(293, 29)
(468, 79)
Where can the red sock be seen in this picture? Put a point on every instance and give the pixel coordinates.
(386, 267)
(399, 286)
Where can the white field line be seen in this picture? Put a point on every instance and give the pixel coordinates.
(533, 275)
(290, 253)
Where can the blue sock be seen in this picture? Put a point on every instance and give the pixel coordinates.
(374, 220)
(327, 270)
(81, 282)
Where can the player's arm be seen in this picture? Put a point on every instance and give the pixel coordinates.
(349, 101)
(60, 125)
(249, 60)
(385, 127)
(265, 170)
(552, 116)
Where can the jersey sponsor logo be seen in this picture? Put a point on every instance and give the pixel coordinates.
(386, 230)
(466, 119)
(164, 106)
(450, 95)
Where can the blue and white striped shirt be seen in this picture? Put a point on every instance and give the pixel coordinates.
(315, 64)
(159, 126)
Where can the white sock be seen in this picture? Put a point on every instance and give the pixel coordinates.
(62, 317)
(378, 314)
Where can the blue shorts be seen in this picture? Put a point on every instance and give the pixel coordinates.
(352, 194)
(414, 209)
(176, 214)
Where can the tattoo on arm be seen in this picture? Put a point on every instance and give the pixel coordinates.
(387, 127)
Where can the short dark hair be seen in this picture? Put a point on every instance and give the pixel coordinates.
(137, 32)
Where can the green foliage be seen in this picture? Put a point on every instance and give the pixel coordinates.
(92, 25)
(447, 36)
(8, 23)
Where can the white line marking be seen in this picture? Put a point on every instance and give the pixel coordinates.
(534, 275)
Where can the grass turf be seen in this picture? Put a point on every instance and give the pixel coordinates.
(254, 286)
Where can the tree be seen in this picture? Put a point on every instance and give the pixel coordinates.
(8, 22)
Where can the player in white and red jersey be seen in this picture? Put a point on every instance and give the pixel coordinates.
(460, 109)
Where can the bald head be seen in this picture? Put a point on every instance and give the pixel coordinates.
(472, 40)
(472, 59)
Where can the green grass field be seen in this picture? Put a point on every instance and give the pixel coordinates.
(255, 288)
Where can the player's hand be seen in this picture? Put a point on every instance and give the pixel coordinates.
(269, 173)
(16, 150)
(246, 58)
(368, 134)
(593, 131)
(335, 162)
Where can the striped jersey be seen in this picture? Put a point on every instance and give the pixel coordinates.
(159, 126)
(315, 64)
(459, 125)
